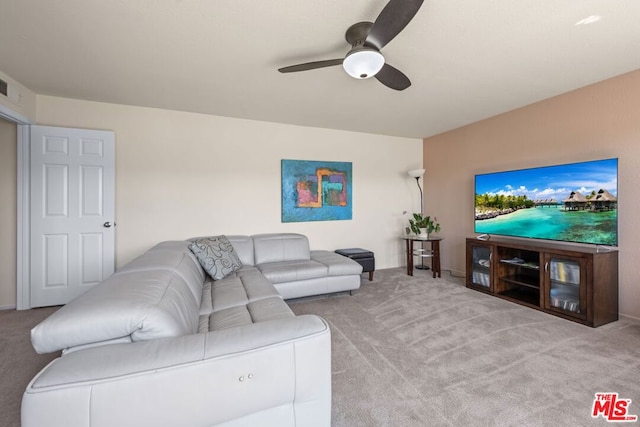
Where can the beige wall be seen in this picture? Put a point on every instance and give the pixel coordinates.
(8, 183)
(595, 122)
(182, 174)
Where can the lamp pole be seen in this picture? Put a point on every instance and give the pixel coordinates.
(421, 199)
(417, 173)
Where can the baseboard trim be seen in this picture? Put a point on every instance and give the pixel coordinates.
(628, 317)
(7, 307)
(455, 273)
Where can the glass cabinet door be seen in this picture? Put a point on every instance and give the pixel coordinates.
(481, 266)
(566, 285)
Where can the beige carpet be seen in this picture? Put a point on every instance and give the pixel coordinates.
(417, 351)
(18, 361)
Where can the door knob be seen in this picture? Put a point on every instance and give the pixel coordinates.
(107, 224)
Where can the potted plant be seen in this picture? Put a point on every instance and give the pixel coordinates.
(423, 225)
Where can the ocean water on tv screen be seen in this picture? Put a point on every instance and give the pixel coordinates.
(554, 223)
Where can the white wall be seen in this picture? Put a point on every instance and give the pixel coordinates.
(182, 174)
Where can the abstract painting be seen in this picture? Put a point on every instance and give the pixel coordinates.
(315, 191)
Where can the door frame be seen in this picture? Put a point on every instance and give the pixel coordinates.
(23, 226)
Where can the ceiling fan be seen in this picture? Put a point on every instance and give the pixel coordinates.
(364, 60)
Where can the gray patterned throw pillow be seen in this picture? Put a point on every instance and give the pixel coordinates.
(216, 255)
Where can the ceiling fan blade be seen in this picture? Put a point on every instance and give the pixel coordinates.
(393, 18)
(311, 65)
(393, 78)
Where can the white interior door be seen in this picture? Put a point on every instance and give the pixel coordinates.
(72, 212)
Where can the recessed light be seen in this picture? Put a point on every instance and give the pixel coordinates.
(589, 20)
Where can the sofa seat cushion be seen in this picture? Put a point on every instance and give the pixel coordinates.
(291, 271)
(240, 290)
(337, 265)
(253, 312)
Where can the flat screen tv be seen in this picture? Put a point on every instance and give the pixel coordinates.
(575, 202)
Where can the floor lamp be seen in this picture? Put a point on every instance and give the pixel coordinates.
(417, 173)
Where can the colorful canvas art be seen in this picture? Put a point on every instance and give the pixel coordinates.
(315, 191)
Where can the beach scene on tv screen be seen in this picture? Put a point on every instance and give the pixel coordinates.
(575, 202)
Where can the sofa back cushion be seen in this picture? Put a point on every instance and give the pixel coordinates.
(280, 247)
(155, 296)
(173, 256)
(244, 248)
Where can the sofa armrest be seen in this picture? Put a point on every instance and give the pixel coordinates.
(278, 370)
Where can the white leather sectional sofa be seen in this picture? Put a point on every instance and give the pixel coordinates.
(161, 344)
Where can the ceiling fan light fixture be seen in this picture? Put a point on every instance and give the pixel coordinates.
(363, 63)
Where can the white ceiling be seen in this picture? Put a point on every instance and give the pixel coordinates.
(467, 59)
